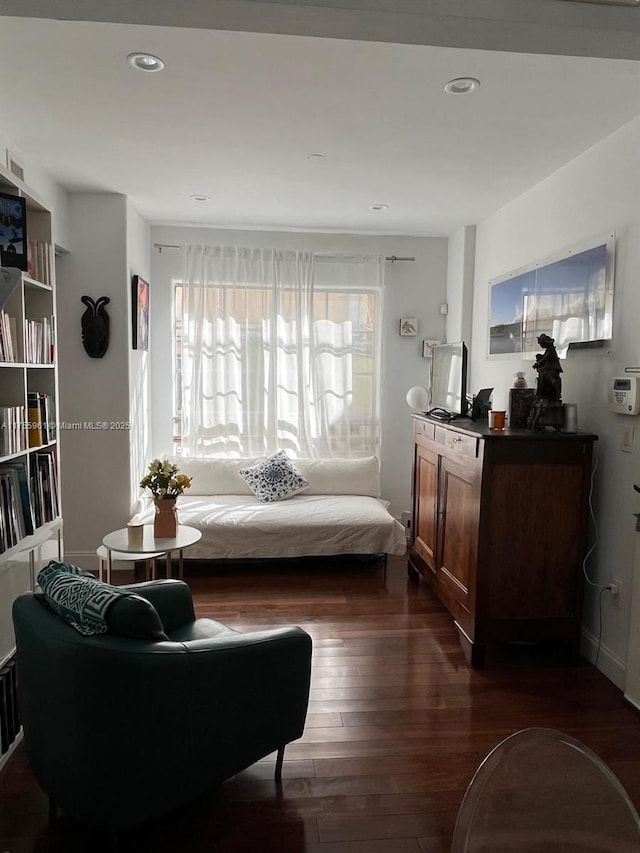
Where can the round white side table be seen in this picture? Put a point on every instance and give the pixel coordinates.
(118, 541)
(121, 556)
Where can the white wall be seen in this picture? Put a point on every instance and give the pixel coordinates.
(460, 278)
(595, 193)
(138, 263)
(413, 289)
(52, 196)
(95, 474)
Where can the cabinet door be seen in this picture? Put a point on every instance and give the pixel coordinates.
(536, 523)
(425, 505)
(458, 520)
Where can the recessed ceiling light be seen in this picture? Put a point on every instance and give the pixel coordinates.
(378, 207)
(200, 198)
(462, 86)
(146, 61)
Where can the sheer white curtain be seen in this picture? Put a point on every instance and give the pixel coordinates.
(277, 349)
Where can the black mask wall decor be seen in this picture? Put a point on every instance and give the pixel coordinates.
(95, 326)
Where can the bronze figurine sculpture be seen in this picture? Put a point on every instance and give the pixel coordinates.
(547, 405)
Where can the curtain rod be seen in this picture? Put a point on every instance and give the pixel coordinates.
(161, 246)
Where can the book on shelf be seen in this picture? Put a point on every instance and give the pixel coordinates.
(38, 341)
(46, 465)
(52, 323)
(3, 529)
(12, 431)
(8, 337)
(16, 514)
(18, 470)
(44, 487)
(40, 260)
(41, 430)
(38, 498)
(34, 430)
(8, 505)
(29, 496)
(43, 490)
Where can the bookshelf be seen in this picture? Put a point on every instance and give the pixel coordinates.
(30, 512)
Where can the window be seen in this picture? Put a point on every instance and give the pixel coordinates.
(266, 366)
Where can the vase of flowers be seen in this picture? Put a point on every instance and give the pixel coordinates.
(165, 522)
(166, 484)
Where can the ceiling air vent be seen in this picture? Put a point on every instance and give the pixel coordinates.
(14, 166)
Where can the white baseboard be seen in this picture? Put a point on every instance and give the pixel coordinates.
(609, 663)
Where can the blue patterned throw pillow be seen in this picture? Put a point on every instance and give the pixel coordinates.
(275, 479)
(77, 597)
(93, 607)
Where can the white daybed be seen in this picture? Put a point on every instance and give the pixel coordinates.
(340, 513)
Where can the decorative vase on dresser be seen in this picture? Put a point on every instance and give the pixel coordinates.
(165, 523)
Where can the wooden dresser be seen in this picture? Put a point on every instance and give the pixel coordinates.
(499, 529)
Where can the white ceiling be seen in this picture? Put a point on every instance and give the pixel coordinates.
(235, 115)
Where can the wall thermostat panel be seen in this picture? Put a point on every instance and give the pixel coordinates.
(624, 395)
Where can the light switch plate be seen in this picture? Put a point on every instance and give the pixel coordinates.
(626, 438)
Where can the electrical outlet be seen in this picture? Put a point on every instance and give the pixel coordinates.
(616, 593)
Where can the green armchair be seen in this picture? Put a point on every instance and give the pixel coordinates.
(119, 731)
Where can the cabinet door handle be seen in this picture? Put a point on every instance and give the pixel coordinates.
(457, 440)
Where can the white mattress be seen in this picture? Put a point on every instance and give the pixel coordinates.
(240, 526)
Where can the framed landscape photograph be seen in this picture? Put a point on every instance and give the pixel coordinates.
(13, 231)
(140, 312)
(568, 297)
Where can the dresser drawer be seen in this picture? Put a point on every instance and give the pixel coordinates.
(466, 444)
(424, 429)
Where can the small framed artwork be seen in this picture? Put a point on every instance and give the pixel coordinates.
(408, 326)
(140, 312)
(427, 347)
(13, 231)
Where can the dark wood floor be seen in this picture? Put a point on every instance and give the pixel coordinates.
(397, 726)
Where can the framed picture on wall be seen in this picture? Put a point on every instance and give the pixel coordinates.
(408, 326)
(140, 312)
(568, 296)
(13, 231)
